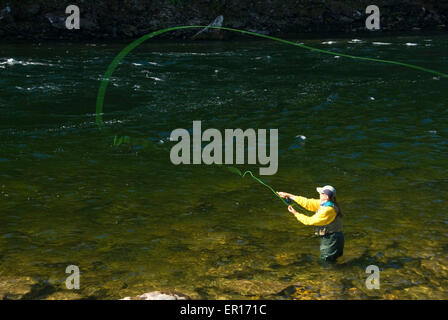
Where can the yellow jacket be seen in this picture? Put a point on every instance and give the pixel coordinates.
(323, 215)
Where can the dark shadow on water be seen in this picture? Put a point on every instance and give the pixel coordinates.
(365, 260)
(40, 290)
(445, 248)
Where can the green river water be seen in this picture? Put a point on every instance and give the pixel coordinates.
(133, 222)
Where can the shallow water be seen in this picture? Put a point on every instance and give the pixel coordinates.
(133, 222)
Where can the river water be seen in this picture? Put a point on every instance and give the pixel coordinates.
(133, 222)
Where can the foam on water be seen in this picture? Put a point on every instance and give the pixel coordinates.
(381, 43)
(12, 62)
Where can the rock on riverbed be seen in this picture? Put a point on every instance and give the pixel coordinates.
(158, 295)
(15, 289)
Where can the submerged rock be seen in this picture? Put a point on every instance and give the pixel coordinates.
(158, 295)
(64, 295)
(301, 292)
(16, 289)
(419, 292)
(435, 266)
(250, 287)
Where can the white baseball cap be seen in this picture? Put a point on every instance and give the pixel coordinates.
(328, 190)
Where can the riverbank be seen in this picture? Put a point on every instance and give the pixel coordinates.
(45, 20)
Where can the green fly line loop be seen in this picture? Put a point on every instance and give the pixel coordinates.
(114, 64)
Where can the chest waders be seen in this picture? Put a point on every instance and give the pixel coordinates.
(331, 237)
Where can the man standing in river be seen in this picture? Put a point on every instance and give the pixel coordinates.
(327, 220)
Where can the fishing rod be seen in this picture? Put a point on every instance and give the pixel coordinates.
(286, 201)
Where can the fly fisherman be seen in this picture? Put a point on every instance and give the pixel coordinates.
(327, 220)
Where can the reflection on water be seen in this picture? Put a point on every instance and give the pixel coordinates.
(133, 222)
